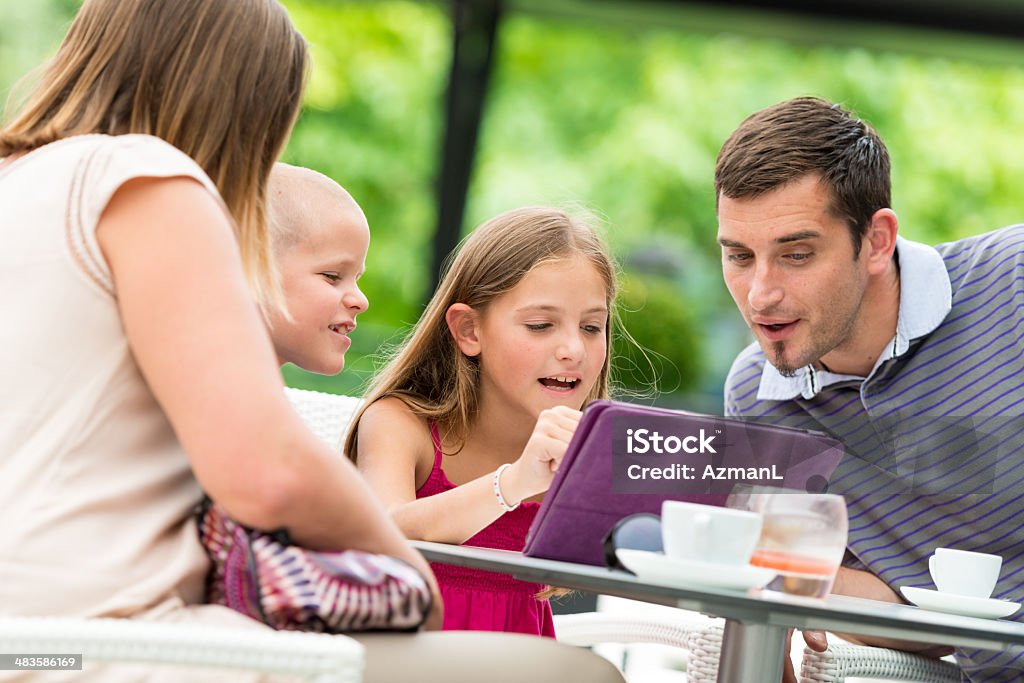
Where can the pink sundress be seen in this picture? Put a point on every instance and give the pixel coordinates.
(477, 600)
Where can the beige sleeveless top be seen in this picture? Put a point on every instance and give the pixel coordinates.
(95, 492)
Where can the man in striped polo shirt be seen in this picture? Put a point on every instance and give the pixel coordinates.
(912, 356)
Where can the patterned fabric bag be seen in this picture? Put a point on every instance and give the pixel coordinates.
(267, 578)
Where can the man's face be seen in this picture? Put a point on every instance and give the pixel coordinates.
(789, 266)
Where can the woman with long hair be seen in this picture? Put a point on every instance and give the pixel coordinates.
(138, 369)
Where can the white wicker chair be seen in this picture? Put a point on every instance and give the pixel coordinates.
(589, 628)
(702, 642)
(327, 415)
(841, 661)
(315, 657)
(629, 623)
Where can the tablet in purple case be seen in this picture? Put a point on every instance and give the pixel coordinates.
(583, 504)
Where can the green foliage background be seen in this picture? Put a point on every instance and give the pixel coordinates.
(625, 118)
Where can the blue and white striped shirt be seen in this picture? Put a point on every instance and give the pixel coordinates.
(934, 435)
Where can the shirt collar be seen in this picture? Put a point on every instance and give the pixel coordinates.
(921, 270)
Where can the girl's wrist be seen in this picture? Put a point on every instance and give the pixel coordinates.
(498, 493)
(511, 485)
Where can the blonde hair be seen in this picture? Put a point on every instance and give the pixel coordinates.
(295, 197)
(429, 372)
(221, 80)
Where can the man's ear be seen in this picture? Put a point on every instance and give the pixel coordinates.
(880, 241)
(463, 323)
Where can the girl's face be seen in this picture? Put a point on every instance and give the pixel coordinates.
(542, 344)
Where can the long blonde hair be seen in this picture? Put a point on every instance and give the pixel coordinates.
(221, 80)
(429, 372)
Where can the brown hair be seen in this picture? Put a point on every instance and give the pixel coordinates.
(806, 135)
(429, 372)
(221, 80)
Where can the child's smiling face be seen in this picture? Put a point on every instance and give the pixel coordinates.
(543, 343)
(319, 273)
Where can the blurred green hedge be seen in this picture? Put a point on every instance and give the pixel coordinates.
(624, 117)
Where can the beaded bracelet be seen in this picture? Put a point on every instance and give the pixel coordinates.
(497, 489)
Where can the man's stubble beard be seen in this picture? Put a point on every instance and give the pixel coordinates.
(823, 342)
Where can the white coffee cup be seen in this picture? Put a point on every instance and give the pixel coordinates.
(708, 533)
(962, 572)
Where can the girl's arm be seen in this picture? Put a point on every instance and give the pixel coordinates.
(205, 353)
(394, 445)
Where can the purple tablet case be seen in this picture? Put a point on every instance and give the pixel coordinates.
(581, 507)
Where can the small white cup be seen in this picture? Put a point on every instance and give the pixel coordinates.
(962, 572)
(708, 533)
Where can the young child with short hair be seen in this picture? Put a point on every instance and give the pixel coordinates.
(320, 238)
(464, 429)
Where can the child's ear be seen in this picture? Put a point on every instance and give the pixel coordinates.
(462, 323)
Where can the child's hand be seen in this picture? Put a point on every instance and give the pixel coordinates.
(533, 471)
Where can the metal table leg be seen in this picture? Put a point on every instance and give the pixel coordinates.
(751, 653)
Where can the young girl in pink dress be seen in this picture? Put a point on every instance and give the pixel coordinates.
(464, 429)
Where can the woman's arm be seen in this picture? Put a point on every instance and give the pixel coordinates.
(203, 349)
(394, 444)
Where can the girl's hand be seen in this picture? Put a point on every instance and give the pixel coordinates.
(533, 471)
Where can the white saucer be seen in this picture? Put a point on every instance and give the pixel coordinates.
(936, 601)
(678, 573)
